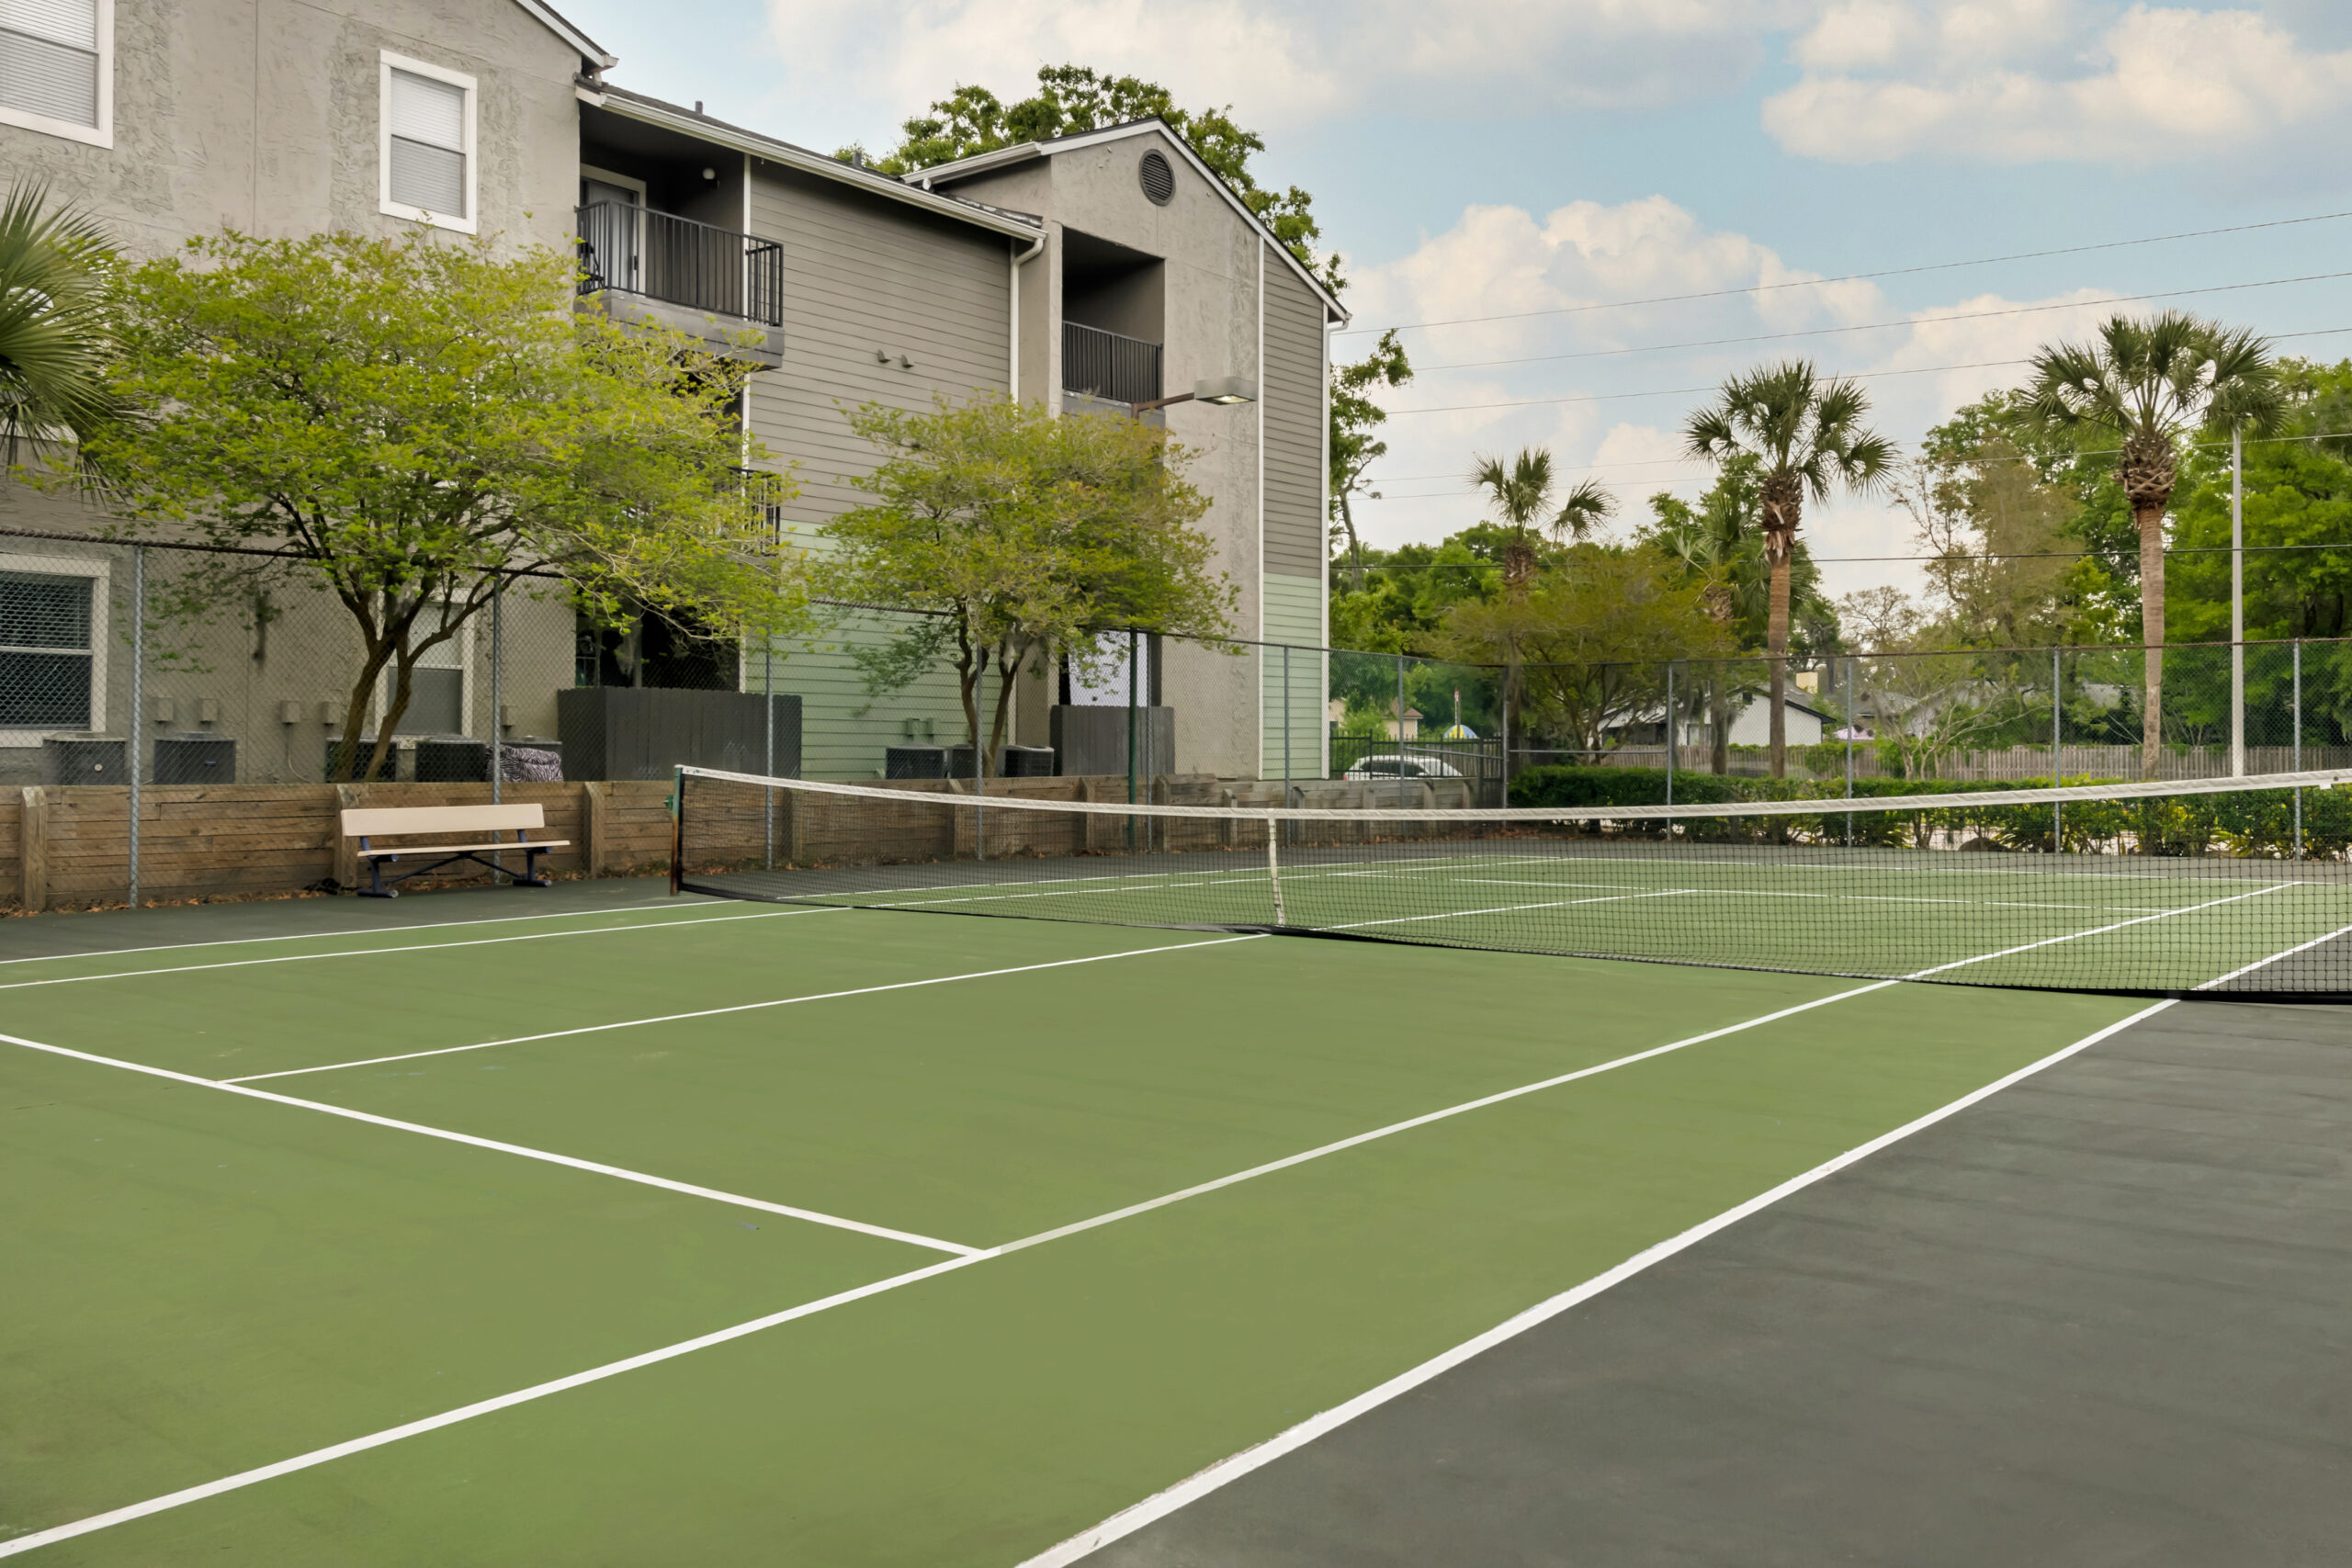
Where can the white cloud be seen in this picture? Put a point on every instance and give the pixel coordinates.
(2019, 81)
(1499, 260)
(1280, 63)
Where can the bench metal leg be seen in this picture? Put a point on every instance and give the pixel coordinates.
(376, 889)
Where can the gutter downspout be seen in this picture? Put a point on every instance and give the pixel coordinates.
(1020, 260)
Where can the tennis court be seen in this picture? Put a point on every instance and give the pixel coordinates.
(508, 1227)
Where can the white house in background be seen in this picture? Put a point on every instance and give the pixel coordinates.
(1806, 724)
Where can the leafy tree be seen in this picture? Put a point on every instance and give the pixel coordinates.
(1808, 435)
(1074, 98)
(1355, 417)
(1593, 636)
(1719, 543)
(413, 425)
(1024, 534)
(54, 338)
(2149, 384)
(1520, 491)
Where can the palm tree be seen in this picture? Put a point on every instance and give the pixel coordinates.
(1808, 436)
(2148, 384)
(52, 321)
(1520, 491)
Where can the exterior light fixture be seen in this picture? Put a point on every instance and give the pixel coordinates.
(1222, 391)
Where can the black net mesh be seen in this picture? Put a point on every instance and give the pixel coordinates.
(2164, 888)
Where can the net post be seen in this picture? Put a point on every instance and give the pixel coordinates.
(1274, 864)
(677, 830)
(135, 731)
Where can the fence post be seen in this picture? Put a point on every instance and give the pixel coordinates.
(767, 792)
(1400, 736)
(135, 730)
(2057, 756)
(1852, 691)
(1670, 737)
(2237, 599)
(497, 702)
(1131, 734)
(2296, 764)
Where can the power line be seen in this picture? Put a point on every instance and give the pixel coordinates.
(1881, 326)
(1852, 561)
(1849, 278)
(1685, 392)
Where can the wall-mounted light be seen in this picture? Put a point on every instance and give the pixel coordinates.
(1222, 391)
(710, 174)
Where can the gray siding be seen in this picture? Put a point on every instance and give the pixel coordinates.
(1293, 394)
(861, 277)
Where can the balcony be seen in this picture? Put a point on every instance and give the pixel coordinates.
(1118, 369)
(683, 270)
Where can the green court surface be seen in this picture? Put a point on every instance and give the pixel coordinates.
(683, 1121)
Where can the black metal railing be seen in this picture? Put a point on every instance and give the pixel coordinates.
(1109, 365)
(634, 250)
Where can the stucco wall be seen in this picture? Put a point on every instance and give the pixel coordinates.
(263, 114)
(1211, 283)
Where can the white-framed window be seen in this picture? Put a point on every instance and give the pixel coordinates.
(428, 143)
(57, 68)
(52, 647)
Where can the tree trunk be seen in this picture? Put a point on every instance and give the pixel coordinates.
(1719, 721)
(1776, 648)
(2152, 632)
(1355, 546)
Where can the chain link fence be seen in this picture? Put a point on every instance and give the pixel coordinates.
(179, 722)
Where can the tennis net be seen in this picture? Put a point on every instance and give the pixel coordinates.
(2209, 886)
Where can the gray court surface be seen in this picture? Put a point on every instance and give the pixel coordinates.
(2104, 1317)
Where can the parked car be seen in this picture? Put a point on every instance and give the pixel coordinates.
(1386, 765)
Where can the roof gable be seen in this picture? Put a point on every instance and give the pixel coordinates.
(1005, 157)
(588, 48)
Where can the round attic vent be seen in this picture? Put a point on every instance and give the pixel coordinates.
(1158, 180)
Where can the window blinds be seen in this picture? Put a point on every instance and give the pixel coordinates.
(49, 58)
(428, 151)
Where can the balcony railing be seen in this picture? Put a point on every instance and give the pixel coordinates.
(1106, 365)
(634, 250)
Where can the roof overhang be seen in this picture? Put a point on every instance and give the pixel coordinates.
(686, 122)
(588, 48)
(1026, 152)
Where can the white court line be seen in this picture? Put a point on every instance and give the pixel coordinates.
(466, 1413)
(1854, 897)
(741, 1006)
(2290, 953)
(1507, 909)
(1227, 1470)
(382, 930)
(2096, 931)
(594, 1375)
(412, 947)
(546, 1155)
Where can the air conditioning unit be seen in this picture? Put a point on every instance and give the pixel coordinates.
(914, 763)
(196, 758)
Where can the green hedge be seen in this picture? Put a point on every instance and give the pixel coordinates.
(2254, 823)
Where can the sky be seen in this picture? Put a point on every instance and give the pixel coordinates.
(1547, 164)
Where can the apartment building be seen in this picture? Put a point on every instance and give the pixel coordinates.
(1094, 273)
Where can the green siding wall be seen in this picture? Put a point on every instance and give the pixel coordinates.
(1293, 616)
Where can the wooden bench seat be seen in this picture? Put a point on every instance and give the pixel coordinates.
(369, 822)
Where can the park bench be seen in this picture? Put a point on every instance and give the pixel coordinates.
(369, 822)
